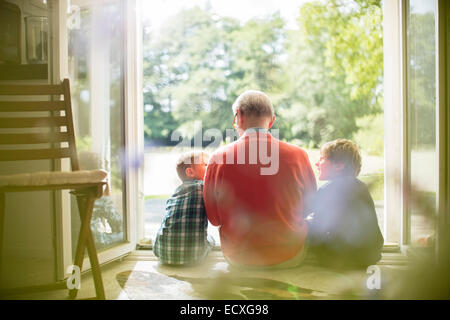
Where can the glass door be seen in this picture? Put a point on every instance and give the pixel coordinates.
(96, 68)
(421, 52)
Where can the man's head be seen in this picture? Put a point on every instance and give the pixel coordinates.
(192, 165)
(340, 157)
(253, 109)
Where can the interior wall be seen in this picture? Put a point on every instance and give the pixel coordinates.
(28, 254)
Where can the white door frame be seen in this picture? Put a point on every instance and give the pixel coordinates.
(396, 228)
(394, 120)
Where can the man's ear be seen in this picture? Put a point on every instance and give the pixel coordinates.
(189, 172)
(240, 119)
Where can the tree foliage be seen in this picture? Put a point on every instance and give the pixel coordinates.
(321, 77)
(421, 79)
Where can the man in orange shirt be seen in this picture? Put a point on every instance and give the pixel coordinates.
(256, 190)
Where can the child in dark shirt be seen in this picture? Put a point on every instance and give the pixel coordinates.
(343, 229)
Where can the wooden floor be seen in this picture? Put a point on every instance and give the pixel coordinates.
(140, 276)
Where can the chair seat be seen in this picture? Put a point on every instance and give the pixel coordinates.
(40, 179)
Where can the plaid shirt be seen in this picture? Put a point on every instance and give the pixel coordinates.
(182, 237)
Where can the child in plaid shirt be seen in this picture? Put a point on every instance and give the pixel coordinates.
(182, 238)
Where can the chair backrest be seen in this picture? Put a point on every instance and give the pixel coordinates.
(17, 117)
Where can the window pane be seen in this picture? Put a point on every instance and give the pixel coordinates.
(421, 85)
(199, 56)
(96, 72)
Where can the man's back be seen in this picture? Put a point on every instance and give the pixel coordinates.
(255, 189)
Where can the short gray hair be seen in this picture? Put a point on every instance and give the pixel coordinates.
(254, 103)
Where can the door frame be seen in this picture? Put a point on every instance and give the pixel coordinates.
(396, 150)
(443, 142)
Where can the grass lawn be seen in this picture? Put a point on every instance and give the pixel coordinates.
(375, 183)
(161, 179)
(157, 196)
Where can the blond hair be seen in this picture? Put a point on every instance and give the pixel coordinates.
(343, 151)
(187, 160)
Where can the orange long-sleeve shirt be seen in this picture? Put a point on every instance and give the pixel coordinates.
(257, 200)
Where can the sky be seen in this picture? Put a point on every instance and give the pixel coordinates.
(158, 10)
(423, 6)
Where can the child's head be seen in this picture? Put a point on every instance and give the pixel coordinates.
(192, 165)
(339, 158)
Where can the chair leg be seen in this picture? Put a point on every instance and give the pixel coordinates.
(2, 222)
(96, 272)
(85, 239)
(79, 254)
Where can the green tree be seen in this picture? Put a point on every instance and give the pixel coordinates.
(370, 136)
(421, 79)
(334, 68)
(198, 64)
(321, 78)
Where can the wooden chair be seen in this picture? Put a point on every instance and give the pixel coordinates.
(87, 186)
